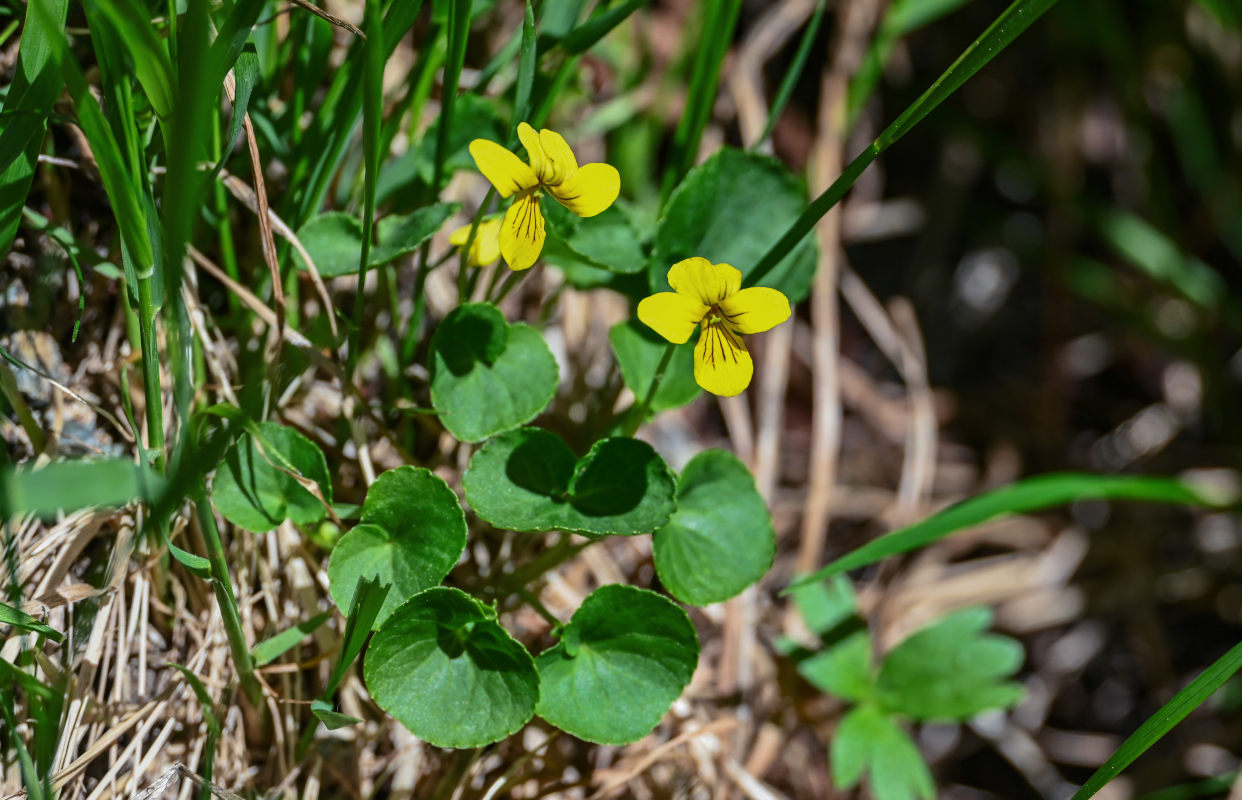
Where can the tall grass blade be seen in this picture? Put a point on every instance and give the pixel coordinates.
(1007, 27)
(790, 80)
(584, 36)
(1163, 721)
(31, 94)
(527, 65)
(1032, 494)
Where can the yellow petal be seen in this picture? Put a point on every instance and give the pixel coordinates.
(671, 315)
(560, 158)
(588, 190)
(704, 281)
(487, 242)
(458, 237)
(506, 171)
(721, 364)
(521, 233)
(539, 162)
(755, 310)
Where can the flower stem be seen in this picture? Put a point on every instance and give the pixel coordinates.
(639, 412)
(223, 587)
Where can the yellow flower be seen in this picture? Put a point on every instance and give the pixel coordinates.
(585, 190)
(486, 245)
(711, 296)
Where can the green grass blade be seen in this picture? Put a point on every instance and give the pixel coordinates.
(720, 20)
(527, 66)
(1189, 791)
(276, 646)
(1007, 27)
(1032, 494)
(1163, 721)
(458, 30)
(30, 96)
(584, 37)
(372, 121)
(72, 485)
(23, 621)
(790, 80)
(149, 54)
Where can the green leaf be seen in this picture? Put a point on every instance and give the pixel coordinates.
(256, 488)
(1153, 252)
(412, 533)
(27, 104)
(24, 622)
(529, 480)
(445, 669)
(333, 240)
(730, 210)
(720, 539)
(607, 241)
(1160, 723)
(274, 647)
(364, 607)
(623, 659)
(1032, 494)
(825, 605)
(584, 36)
(402, 234)
(951, 670)
(639, 350)
(148, 53)
(869, 741)
(843, 670)
(72, 485)
(246, 73)
(488, 376)
(330, 717)
(528, 65)
(1007, 27)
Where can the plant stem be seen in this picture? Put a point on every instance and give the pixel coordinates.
(223, 587)
(639, 413)
(533, 601)
(151, 372)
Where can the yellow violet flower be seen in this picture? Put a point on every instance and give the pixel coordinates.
(711, 296)
(585, 190)
(486, 245)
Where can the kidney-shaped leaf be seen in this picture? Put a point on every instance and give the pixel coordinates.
(333, 240)
(256, 487)
(412, 533)
(623, 659)
(731, 209)
(952, 669)
(529, 480)
(488, 376)
(445, 669)
(720, 539)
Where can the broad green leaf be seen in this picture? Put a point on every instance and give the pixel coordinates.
(869, 741)
(639, 350)
(274, 647)
(256, 489)
(1019, 16)
(412, 533)
(825, 605)
(1032, 494)
(24, 622)
(401, 234)
(730, 209)
(72, 485)
(474, 117)
(488, 376)
(844, 669)
(623, 659)
(952, 669)
(606, 241)
(445, 669)
(720, 539)
(1160, 723)
(333, 240)
(529, 480)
